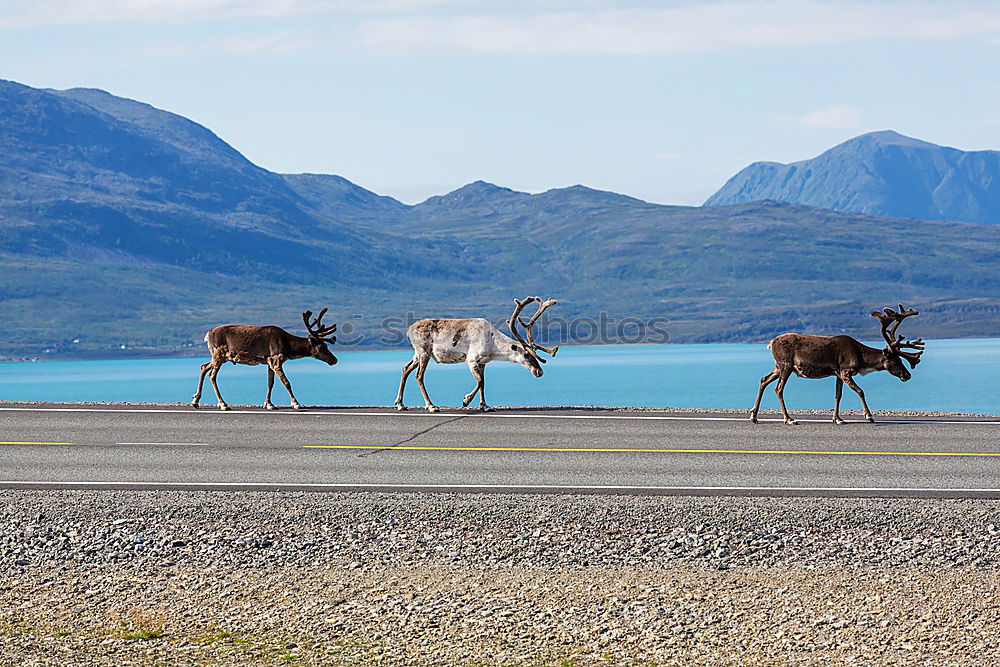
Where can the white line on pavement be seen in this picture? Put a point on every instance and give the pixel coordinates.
(510, 487)
(491, 415)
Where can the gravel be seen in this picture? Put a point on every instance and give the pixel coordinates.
(274, 578)
(253, 529)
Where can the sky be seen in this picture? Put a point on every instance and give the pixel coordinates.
(659, 100)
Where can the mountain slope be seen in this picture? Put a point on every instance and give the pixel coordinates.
(733, 273)
(85, 174)
(339, 199)
(133, 230)
(880, 173)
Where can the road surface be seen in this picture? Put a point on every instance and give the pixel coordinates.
(576, 450)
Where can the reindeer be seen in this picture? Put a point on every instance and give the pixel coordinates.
(252, 345)
(476, 342)
(840, 356)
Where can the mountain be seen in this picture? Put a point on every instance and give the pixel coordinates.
(339, 199)
(89, 175)
(481, 201)
(128, 230)
(879, 173)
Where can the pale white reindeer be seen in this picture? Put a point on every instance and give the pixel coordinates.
(476, 342)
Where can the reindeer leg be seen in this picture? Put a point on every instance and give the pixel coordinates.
(482, 390)
(213, 372)
(201, 383)
(421, 369)
(779, 389)
(477, 372)
(764, 381)
(279, 371)
(407, 369)
(836, 405)
(268, 405)
(849, 381)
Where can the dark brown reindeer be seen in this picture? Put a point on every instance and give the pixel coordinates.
(252, 345)
(476, 342)
(842, 357)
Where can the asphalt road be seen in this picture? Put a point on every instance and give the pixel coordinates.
(531, 450)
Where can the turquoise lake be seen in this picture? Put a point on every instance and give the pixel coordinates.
(954, 376)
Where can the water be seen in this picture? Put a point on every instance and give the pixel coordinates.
(954, 376)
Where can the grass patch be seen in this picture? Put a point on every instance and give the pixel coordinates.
(15, 628)
(138, 624)
(213, 637)
(234, 638)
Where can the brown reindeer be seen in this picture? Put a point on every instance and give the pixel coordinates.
(476, 342)
(840, 356)
(252, 345)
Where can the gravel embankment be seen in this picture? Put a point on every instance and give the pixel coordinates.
(266, 578)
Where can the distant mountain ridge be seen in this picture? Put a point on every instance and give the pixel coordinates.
(84, 173)
(879, 173)
(132, 230)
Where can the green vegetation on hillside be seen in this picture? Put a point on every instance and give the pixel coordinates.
(125, 230)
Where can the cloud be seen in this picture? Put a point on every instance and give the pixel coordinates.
(22, 13)
(281, 41)
(561, 26)
(685, 27)
(242, 43)
(831, 118)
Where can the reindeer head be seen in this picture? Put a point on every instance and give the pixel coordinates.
(893, 354)
(524, 357)
(319, 336)
(526, 353)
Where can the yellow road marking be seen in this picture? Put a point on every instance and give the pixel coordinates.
(612, 450)
(36, 443)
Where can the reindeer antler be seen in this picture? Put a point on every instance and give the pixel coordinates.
(542, 307)
(317, 329)
(512, 325)
(912, 357)
(890, 320)
(530, 345)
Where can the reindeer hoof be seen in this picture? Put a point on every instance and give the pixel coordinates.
(791, 422)
(400, 407)
(466, 401)
(838, 420)
(223, 407)
(432, 408)
(296, 406)
(486, 408)
(269, 406)
(753, 419)
(194, 405)
(871, 420)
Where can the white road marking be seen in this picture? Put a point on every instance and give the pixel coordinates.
(915, 420)
(509, 487)
(644, 450)
(495, 415)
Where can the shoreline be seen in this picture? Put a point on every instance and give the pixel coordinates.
(197, 351)
(450, 410)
